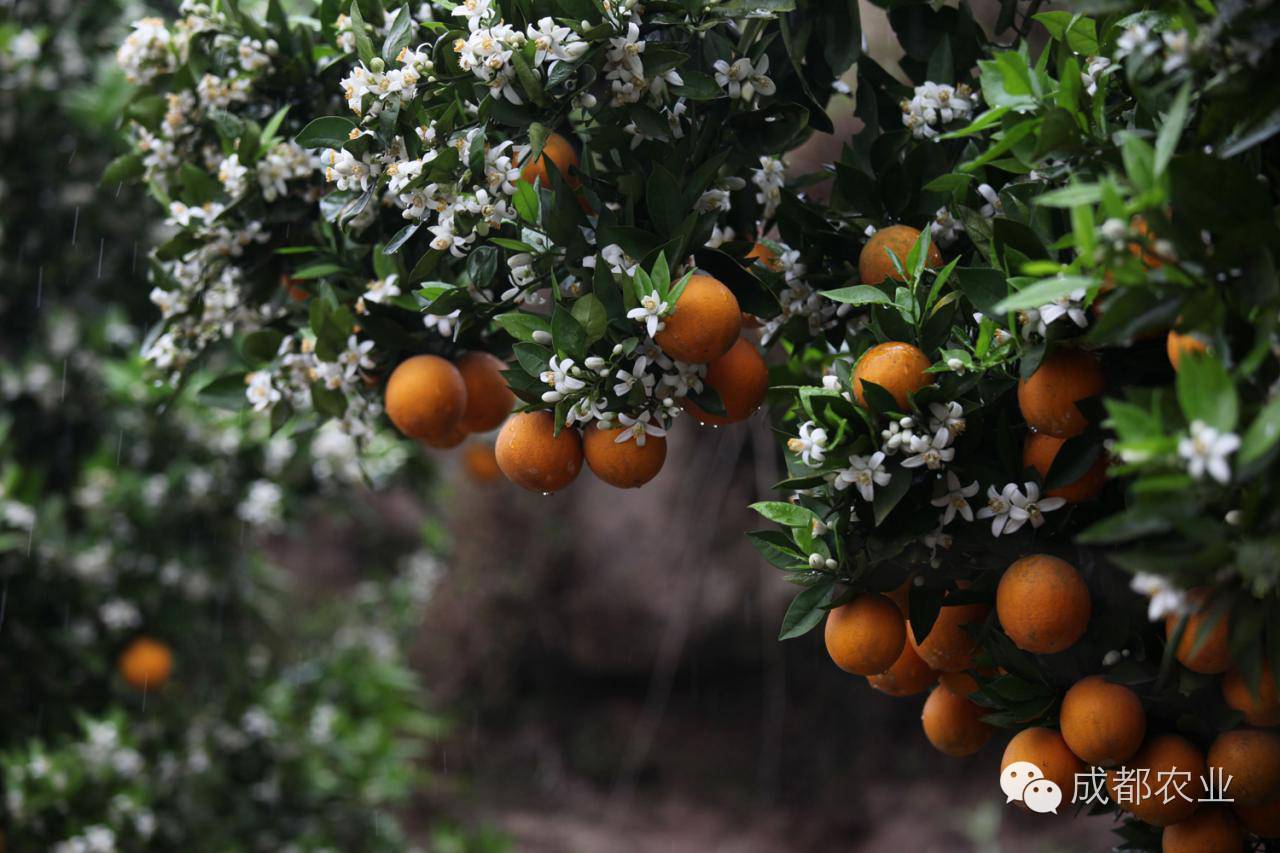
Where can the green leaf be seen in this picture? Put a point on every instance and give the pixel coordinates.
(858, 294)
(1206, 392)
(1171, 131)
(1262, 435)
(567, 334)
(806, 610)
(785, 513)
(364, 47)
(522, 326)
(1044, 292)
(399, 34)
(325, 132)
(589, 311)
(776, 547)
(526, 202)
(1078, 32)
(126, 167)
(1071, 196)
(887, 497)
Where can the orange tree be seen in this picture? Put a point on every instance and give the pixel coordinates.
(1047, 426)
(575, 188)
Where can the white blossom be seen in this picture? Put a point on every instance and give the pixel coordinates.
(865, 472)
(811, 443)
(1206, 450)
(956, 500)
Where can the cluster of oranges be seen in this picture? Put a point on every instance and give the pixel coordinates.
(440, 403)
(1043, 606)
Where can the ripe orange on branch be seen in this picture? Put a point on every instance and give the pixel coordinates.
(1212, 829)
(1101, 721)
(909, 674)
(741, 379)
(559, 151)
(1178, 344)
(478, 460)
(949, 646)
(626, 464)
(1046, 749)
(534, 457)
(1043, 604)
(425, 398)
(953, 724)
(1252, 758)
(1038, 452)
(1165, 754)
(1048, 397)
(705, 323)
(1261, 708)
(1213, 656)
(1262, 819)
(865, 635)
(146, 663)
(874, 265)
(489, 400)
(897, 367)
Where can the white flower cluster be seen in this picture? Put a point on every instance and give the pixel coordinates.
(487, 50)
(935, 105)
(743, 79)
(769, 179)
(147, 51)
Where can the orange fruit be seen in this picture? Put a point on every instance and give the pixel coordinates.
(1214, 655)
(480, 462)
(874, 265)
(766, 256)
(1048, 398)
(866, 635)
(1138, 250)
(908, 676)
(1262, 819)
(953, 724)
(960, 683)
(897, 367)
(948, 646)
(146, 664)
(425, 398)
(1212, 829)
(534, 457)
(448, 440)
(1252, 757)
(625, 464)
(705, 323)
(1046, 749)
(294, 287)
(560, 151)
(741, 379)
(1101, 721)
(489, 400)
(1178, 344)
(1043, 604)
(1038, 452)
(1162, 754)
(1259, 709)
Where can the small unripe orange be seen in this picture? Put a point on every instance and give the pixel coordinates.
(741, 379)
(705, 323)
(953, 724)
(146, 664)
(534, 457)
(1101, 721)
(897, 367)
(1043, 604)
(626, 464)
(874, 264)
(865, 635)
(425, 397)
(489, 400)
(1048, 398)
